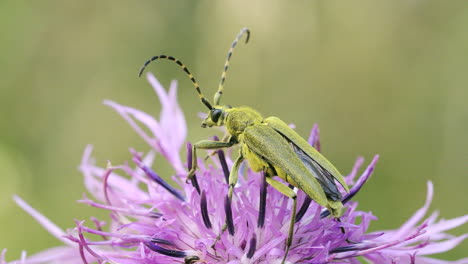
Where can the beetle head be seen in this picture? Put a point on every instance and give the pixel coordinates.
(216, 116)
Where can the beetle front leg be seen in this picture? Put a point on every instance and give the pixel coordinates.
(205, 144)
(226, 138)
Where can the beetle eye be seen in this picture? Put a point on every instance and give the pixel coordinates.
(215, 114)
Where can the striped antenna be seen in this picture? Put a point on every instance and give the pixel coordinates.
(217, 96)
(185, 69)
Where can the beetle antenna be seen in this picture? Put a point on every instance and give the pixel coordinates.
(185, 69)
(218, 94)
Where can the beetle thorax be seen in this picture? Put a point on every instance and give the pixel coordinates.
(239, 118)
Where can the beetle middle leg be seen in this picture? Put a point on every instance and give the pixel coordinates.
(349, 241)
(233, 177)
(291, 194)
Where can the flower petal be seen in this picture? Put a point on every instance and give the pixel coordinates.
(44, 221)
(417, 217)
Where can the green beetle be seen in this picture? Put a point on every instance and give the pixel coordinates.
(270, 146)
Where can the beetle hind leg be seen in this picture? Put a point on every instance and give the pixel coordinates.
(291, 194)
(349, 241)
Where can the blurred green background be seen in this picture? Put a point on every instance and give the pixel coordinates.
(386, 77)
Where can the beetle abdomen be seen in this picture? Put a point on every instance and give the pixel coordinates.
(255, 162)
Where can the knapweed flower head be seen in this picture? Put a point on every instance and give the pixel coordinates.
(156, 220)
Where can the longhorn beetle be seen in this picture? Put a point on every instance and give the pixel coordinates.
(270, 146)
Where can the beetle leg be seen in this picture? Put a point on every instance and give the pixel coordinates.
(205, 144)
(221, 156)
(226, 138)
(344, 232)
(233, 177)
(194, 164)
(291, 194)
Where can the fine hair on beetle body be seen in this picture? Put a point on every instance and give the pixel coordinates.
(270, 146)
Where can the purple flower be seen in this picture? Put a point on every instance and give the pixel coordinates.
(154, 221)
